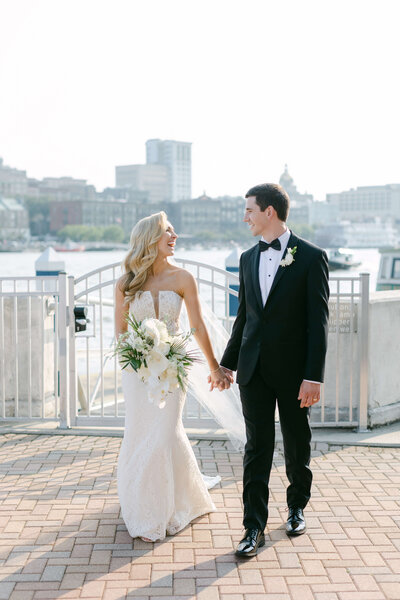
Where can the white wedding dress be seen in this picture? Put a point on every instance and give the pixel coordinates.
(160, 486)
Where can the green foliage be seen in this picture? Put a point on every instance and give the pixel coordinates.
(242, 236)
(113, 233)
(85, 233)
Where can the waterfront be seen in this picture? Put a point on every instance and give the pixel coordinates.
(22, 264)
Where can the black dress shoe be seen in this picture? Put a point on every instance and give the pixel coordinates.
(296, 524)
(248, 546)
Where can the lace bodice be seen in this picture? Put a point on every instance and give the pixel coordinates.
(169, 308)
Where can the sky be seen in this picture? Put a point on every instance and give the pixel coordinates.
(252, 84)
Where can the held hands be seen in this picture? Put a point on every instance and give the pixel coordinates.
(309, 393)
(220, 378)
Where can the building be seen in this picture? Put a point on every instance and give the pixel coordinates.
(177, 158)
(199, 214)
(93, 213)
(205, 214)
(296, 198)
(300, 204)
(368, 202)
(64, 189)
(321, 213)
(121, 207)
(152, 179)
(14, 221)
(13, 182)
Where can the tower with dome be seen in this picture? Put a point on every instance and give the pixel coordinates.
(286, 181)
(300, 211)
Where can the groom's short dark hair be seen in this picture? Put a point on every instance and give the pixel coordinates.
(271, 194)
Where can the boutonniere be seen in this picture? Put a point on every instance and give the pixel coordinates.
(289, 258)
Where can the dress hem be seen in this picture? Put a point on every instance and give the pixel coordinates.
(175, 531)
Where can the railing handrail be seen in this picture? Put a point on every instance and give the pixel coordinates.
(30, 277)
(95, 271)
(103, 284)
(194, 263)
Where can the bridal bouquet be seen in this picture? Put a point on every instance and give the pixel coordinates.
(161, 360)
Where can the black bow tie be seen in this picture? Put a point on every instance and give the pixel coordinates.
(275, 244)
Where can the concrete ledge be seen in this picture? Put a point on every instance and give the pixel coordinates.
(384, 415)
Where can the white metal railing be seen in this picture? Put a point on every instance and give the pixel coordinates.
(32, 342)
(344, 399)
(95, 390)
(47, 371)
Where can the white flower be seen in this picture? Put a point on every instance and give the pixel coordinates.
(156, 362)
(163, 331)
(136, 342)
(289, 257)
(163, 347)
(157, 390)
(150, 330)
(171, 375)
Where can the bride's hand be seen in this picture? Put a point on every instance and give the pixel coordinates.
(219, 379)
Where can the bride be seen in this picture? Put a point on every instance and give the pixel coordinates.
(160, 486)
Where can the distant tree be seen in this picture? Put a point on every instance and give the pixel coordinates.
(69, 232)
(80, 233)
(93, 234)
(113, 233)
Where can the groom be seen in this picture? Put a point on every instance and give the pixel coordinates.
(277, 346)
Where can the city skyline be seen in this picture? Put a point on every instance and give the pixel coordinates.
(309, 84)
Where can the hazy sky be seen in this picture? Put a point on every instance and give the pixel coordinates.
(252, 84)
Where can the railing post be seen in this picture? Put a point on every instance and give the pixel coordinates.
(63, 336)
(364, 352)
(73, 387)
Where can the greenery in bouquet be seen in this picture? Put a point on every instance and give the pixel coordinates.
(162, 360)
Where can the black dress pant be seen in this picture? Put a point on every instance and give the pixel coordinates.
(259, 399)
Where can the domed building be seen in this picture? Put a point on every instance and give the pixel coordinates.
(286, 181)
(299, 203)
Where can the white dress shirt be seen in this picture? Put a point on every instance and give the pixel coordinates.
(269, 264)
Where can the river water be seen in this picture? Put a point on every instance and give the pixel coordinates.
(14, 264)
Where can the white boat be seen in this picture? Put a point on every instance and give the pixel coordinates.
(389, 270)
(70, 246)
(340, 259)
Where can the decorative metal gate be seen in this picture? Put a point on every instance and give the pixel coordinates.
(95, 385)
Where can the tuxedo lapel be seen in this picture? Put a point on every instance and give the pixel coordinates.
(282, 270)
(255, 274)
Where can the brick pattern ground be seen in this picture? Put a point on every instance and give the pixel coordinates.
(62, 535)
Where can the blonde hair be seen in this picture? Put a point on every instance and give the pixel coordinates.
(142, 253)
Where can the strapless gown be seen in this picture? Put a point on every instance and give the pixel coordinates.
(160, 486)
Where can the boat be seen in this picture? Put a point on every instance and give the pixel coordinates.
(11, 247)
(339, 259)
(389, 270)
(70, 246)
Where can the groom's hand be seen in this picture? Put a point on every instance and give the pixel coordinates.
(221, 380)
(309, 393)
(228, 373)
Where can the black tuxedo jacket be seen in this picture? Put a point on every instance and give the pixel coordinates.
(289, 334)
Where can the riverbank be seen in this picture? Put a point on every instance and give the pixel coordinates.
(22, 264)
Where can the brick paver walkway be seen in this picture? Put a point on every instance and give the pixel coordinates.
(62, 535)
